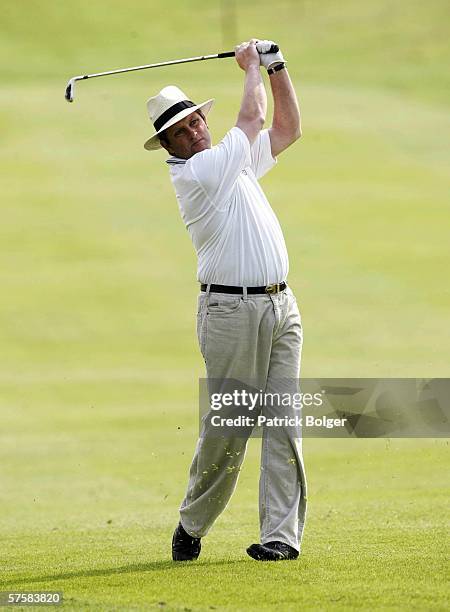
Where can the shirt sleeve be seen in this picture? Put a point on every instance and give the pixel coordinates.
(217, 169)
(261, 152)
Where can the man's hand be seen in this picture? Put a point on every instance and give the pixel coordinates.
(247, 55)
(268, 60)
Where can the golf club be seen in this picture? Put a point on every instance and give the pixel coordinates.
(69, 95)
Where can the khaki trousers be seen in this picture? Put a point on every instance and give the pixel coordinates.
(256, 339)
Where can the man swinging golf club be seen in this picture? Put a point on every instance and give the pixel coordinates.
(248, 323)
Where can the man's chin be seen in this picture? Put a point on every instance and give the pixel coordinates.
(199, 146)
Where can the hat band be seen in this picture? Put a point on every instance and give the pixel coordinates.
(171, 112)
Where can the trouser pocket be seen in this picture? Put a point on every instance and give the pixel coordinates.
(201, 324)
(223, 304)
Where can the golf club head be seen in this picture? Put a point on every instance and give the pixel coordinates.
(70, 90)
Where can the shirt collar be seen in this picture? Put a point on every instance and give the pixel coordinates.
(173, 161)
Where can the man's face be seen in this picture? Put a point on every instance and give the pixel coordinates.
(187, 137)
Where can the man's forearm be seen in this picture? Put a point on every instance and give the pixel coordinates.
(286, 123)
(253, 109)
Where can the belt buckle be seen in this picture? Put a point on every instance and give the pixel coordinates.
(273, 288)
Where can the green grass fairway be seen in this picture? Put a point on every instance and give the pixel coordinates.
(89, 505)
(99, 365)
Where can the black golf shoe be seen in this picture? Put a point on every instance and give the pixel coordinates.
(184, 546)
(272, 551)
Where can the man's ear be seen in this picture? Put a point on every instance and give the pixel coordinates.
(166, 146)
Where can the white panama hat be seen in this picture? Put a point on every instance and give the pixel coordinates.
(168, 107)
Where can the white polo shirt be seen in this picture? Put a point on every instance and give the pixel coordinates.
(235, 232)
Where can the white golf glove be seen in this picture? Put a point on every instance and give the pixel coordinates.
(268, 60)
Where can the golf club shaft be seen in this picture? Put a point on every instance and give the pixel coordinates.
(71, 83)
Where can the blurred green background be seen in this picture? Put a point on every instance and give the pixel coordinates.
(99, 361)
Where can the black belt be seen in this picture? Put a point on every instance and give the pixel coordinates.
(250, 290)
